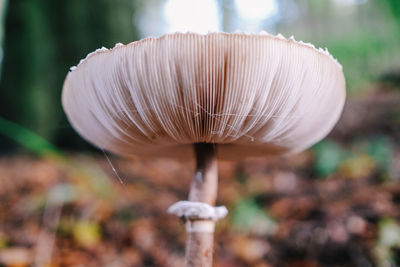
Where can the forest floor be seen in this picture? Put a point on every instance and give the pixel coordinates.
(334, 205)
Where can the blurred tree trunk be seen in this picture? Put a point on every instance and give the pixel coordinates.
(43, 39)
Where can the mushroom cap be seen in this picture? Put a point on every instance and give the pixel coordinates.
(250, 94)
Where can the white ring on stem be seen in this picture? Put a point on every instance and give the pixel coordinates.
(202, 226)
(192, 210)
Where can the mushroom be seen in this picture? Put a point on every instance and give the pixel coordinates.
(219, 95)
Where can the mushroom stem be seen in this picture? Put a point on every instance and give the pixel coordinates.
(205, 182)
(199, 211)
(200, 232)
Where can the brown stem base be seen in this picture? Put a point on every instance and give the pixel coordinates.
(199, 247)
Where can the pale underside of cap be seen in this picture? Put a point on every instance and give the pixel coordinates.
(251, 95)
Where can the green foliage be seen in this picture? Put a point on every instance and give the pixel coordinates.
(394, 6)
(328, 156)
(365, 39)
(363, 157)
(27, 138)
(249, 217)
(381, 150)
(364, 56)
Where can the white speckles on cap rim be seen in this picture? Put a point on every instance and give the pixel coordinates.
(261, 33)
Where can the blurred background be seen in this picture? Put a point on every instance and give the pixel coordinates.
(63, 203)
